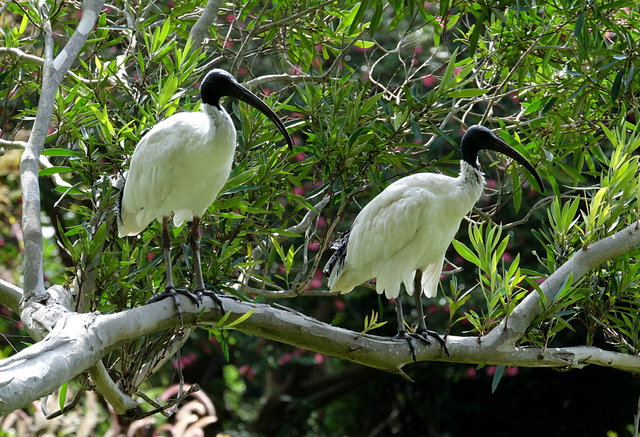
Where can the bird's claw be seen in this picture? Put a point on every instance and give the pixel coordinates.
(423, 336)
(173, 292)
(201, 293)
(404, 336)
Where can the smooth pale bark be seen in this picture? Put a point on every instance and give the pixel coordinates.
(78, 341)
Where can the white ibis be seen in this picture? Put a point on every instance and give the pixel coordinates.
(401, 236)
(180, 166)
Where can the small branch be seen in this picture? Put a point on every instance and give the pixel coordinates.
(286, 78)
(205, 21)
(120, 402)
(32, 59)
(10, 295)
(11, 145)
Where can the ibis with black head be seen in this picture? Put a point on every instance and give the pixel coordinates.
(179, 167)
(401, 236)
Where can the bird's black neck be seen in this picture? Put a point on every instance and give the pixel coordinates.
(211, 99)
(469, 152)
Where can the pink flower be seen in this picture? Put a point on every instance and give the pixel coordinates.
(339, 304)
(491, 370)
(186, 360)
(321, 222)
(300, 157)
(318, 358)
(316, 282)
(298, 190)
(492, 183)
(314, 245)
(429, 81)
(512, 371)
(507, 257)
(247, 371)
(457, 71)
(230, 18)
(471, 372)
(284, 359)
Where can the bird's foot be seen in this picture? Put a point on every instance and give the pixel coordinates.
(409, 338)
(201, 293)
(173, 292)
(424, 334)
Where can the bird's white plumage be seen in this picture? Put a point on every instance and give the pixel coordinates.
(407, 227)
(178, 167)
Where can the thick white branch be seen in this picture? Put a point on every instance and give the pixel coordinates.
(510, 330)
(78, 341)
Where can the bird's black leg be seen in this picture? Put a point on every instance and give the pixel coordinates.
(200, 290)
(402, 333)
(422, 333)
(170, 290)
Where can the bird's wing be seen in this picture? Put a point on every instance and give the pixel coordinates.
(150, 176)
(380, 233)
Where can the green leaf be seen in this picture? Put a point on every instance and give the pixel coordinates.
(467, 92)
(53, 170)
(497, 377)
(240, 319)
(357, 18)
(63, 395)
(60, 152)
(615, 88)
(364, 44)
(377, 17)
(466, 253)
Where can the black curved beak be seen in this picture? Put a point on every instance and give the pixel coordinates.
(496, 143)
(241, 93)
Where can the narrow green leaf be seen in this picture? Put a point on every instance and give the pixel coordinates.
(60, 152)
(615, 88)
(240, 319)
(53, 170)
(467, 92)
(357, 18)
(466, 253)
(63, 395)
(497, 377)
(579, 25)
(377, 17)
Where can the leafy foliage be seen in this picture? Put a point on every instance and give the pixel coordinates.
(372, 91)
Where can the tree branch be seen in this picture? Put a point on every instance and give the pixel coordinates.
(32, 59)
(54, 70)
(10, 295)
(508, 332)
(205, 21)
(286, 78)
(78, 341)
